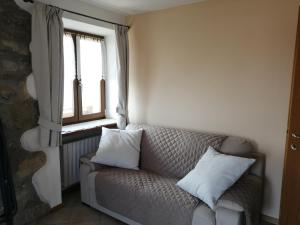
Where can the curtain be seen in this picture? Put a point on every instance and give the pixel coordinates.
(121, 33)
(104, 59)
(48, 70)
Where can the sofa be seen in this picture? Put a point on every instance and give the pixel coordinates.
(149, 196)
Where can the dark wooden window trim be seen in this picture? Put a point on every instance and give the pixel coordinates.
(85, 133)
(78, 115)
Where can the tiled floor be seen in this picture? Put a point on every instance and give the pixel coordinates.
(76, 213)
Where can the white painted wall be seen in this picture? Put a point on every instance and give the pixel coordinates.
(219, 66)
(47, 180)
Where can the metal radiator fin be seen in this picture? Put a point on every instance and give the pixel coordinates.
(71, 153)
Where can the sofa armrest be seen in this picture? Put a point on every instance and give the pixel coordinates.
(86, 161)
(244, 197)
(226, 216)
(86, 170)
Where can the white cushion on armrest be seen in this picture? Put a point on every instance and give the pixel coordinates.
(213, 175)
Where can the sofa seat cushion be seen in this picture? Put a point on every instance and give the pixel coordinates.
(144, 197)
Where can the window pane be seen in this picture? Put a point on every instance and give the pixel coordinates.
(91, 73)
(69, 68)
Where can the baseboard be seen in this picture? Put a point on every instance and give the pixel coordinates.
(270, 219)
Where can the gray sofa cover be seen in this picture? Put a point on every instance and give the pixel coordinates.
(150, 196)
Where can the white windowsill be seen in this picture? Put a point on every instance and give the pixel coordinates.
(87, 125)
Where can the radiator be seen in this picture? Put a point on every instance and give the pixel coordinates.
(70, 156)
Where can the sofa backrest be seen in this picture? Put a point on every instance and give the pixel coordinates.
(173, 152)
(242, 147)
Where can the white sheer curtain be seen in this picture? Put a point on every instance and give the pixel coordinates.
(121, 33)
(104, 58)
(48, 70)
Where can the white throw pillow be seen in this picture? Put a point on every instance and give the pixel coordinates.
(119, 148)
(213, 175)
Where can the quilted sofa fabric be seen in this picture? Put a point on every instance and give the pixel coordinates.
(150, 196)
(173, 152)
(144, 197)
(245, 196)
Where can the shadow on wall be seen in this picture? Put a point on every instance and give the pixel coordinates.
(18, 111)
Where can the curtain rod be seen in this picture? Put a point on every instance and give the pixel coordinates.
(79, 14)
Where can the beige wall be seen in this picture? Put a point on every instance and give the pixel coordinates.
(220, 66)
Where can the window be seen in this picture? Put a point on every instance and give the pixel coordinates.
(84, 86)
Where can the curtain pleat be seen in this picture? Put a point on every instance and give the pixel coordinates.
(48, 70)
(104, 59)
(121, 33)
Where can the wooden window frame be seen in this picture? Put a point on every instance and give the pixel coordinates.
(77, 90)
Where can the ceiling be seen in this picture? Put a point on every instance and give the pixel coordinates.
(130, 7)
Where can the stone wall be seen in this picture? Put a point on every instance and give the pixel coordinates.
(18, 111)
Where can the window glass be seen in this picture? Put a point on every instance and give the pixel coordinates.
(69, 76)
(91, 73)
